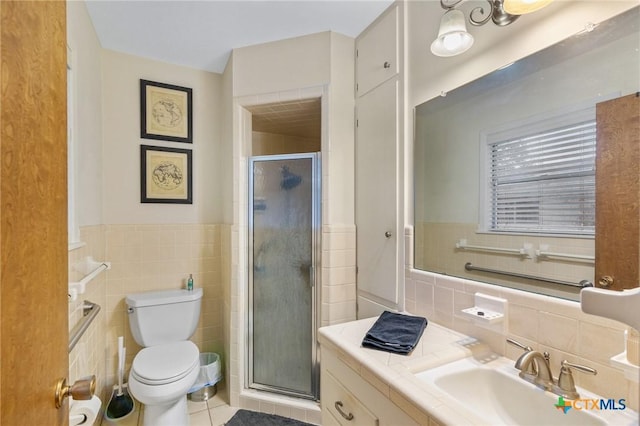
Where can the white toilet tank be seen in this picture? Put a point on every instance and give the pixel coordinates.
(159, 317)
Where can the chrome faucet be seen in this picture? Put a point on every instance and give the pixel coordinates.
(534, 368)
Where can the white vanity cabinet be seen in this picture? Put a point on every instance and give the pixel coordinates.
(348, 400)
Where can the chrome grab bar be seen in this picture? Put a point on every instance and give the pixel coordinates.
(89, 312)
(584, 283)
(545, 254)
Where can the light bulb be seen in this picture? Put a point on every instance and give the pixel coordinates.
(521, 7)
(452, 41)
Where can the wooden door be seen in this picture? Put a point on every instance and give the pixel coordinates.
(33, 212)
(618, 192)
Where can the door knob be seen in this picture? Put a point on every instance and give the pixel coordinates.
(82, 389)
(387, 234)
(606, 281)
(387, 65)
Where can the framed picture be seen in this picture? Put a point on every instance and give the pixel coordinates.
(165, 175)
(165, 112)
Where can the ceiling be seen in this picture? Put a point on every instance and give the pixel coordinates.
(201, 34)
(296, 118)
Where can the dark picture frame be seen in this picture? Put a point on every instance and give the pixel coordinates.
(166, 112)
(166, 175)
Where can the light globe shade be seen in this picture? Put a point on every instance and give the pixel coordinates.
(521, 7)
(453, 38)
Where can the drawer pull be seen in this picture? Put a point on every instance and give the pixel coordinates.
(339, 406)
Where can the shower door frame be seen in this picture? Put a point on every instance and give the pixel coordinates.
(316, 250)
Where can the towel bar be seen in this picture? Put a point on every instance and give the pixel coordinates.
(89, 312)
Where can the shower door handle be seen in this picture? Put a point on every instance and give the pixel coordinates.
(312, 276)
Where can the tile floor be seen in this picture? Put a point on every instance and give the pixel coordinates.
(214, 412)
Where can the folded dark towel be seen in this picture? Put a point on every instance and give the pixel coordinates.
(393, 332)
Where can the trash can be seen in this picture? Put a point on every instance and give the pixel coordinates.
(210, 374)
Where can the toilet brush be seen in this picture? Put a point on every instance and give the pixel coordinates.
(121, 403)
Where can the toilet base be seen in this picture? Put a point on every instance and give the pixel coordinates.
(175, 414)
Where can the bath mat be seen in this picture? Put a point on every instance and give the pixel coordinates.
(253, 418)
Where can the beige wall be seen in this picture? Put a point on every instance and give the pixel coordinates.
(339, 152)
(295, 63)
(121, 74)
(87, 112)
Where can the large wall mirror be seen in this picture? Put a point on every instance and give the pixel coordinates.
(504, 166)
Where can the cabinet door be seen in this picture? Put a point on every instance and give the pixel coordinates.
(377, 53)
(618, 192)
(367, 405)
(343, 406)
(377, 193)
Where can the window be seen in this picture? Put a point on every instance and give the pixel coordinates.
(541, 176)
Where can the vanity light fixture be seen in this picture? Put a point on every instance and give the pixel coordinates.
(453, 38)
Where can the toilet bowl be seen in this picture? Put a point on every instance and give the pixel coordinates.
(163, 372)
(160, 378)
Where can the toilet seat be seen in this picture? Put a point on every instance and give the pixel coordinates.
(162, 364)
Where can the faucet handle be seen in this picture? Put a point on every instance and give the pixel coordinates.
(520, 345)
(565, 379)
(566, 364)
(532, 368)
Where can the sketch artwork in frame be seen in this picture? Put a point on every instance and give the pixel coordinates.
(165, 112)
(165, 175)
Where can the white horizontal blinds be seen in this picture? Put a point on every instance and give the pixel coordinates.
(544, 181)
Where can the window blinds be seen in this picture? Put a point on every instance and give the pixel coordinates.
(544, 181)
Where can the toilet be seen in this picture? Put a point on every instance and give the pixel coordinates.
(168, 366)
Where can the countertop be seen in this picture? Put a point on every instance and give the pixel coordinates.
(394, 375)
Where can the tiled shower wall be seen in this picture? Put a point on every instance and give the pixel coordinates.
(545, 323)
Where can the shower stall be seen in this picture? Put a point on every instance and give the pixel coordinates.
(284, 263)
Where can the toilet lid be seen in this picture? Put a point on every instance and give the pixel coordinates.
(158, 365)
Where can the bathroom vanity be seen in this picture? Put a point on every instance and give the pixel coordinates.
(362, 386)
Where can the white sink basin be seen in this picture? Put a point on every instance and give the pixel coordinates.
(496, 395)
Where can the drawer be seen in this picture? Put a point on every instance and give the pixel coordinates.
(344, 406)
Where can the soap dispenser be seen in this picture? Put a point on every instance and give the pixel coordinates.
(190, 283)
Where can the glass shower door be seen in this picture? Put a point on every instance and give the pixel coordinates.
(284, 224)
